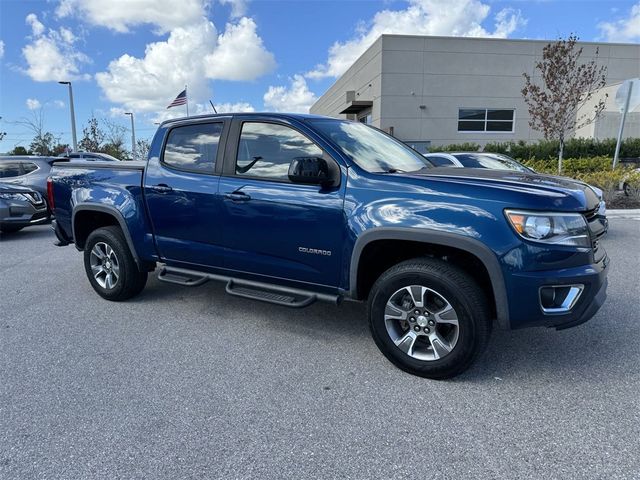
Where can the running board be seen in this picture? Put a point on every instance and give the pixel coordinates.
(181, 278)
(269, 294)
(264, 292)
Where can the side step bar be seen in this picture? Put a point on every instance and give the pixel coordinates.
(264, 292)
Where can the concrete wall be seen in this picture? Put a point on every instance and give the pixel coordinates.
(608, 123)
(443, 74)
(363, 77)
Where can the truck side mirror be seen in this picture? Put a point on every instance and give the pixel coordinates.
(314, 171)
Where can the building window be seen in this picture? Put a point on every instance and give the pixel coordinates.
(485, 120)
(365, 117)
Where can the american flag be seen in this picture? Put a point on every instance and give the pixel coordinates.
(181, 99)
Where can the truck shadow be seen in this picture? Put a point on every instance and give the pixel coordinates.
(31, 233)
(589, 350)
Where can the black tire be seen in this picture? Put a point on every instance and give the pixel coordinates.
(626, 188)
(131, 280)
(459, 290)
(10, 228)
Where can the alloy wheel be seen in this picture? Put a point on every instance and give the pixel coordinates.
(105, 265)
(421, 323)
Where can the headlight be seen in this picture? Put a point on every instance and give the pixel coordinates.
(552, 228)
(13, 196)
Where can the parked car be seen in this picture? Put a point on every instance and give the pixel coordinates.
(20, 207)
(498, 161)
(90, 156)
(291, 209)
(495, 161)
(27, 171)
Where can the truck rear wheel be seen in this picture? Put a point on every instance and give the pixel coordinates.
(429, 318)
(110, 266)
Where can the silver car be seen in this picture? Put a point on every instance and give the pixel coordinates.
(20, 207)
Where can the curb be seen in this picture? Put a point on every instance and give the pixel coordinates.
(623, 213)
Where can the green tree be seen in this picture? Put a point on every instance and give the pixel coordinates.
(19, 150)
(142, 149)
(114, 140)
(566, 86)
(92, 136)
(42, 144)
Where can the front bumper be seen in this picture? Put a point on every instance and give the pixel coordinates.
(23, 214)
(525, 309)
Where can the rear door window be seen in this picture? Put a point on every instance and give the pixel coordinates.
(193, 147)
(28, 167)
(10, 169)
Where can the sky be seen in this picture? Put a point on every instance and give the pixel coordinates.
(244, 55)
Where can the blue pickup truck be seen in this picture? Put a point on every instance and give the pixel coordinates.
(291, 209)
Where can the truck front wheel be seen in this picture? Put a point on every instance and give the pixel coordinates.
(429, 318)
(110, 266)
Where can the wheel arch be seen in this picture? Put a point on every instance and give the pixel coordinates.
(95, 216)
(443, 240)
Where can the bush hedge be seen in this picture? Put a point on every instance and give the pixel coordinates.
(548, 149)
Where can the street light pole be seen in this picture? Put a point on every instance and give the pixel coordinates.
(73, 116)
(133, 136)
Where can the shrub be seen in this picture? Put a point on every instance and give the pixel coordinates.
(570, 166)
(607, 180)
(457, 147)
(574, 148)
(632, 179)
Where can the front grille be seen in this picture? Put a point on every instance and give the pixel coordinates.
(597, 226)
(35, 198)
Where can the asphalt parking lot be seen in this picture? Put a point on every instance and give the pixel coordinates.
(192, 383)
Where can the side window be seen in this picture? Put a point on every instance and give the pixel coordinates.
(440, 161)
(29, 167)
(10, 169)
(193, 147)
(266, 150)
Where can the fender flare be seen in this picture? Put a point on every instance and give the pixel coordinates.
(467, 244)
(114, 212)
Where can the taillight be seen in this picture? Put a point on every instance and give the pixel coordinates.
(52, 204)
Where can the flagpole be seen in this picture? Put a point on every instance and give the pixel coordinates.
(186, 94)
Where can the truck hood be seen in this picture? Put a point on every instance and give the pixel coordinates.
(525, 182)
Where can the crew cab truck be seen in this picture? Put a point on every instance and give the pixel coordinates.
(290, 209)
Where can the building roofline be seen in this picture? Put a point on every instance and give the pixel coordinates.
(514, 40)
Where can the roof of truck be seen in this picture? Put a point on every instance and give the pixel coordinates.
(284, 116)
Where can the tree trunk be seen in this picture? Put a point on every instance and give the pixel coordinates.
(560, 153)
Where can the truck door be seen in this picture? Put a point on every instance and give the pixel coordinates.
(181, 192)
(272, 227)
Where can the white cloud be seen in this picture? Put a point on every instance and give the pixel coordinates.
(116, 112)
(295, 98)
(58, 104)
(1, 49)
(461, 18)
(623, 30)
(190, 55)
(238, 7)
(240, 54)
(51, 56)
(37, 28)
(120, 15)
(33, 104)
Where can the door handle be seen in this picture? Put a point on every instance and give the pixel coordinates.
(162, 188)
(237, 196)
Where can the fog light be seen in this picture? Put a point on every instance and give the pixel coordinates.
(556, 299)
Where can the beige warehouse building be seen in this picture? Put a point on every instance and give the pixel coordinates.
(442, 90)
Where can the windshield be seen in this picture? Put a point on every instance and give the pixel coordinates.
(495, 162)
(370, 148)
